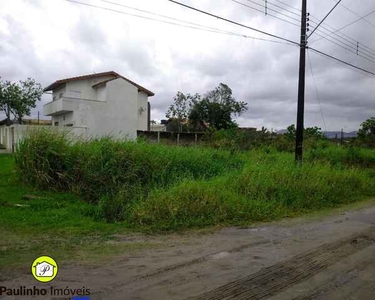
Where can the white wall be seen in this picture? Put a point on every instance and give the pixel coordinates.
(119, 117)
(142, 111)
(116, 108)
(57, 93)
(11, 135)
(84, 87)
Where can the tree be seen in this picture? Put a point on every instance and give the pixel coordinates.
(19, 98)
(178, 112)
(367, 130)
(216, 109)
(8, 94)
(309, 133)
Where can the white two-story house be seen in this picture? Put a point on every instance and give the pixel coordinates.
(103, 104)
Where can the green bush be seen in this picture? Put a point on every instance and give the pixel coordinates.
(198, 204)
(269, 187)
(44, 159)
(101, 167)
(168, 187)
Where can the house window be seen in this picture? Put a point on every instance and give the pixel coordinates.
(56, 123)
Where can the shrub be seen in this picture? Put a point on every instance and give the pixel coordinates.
(100, 167)
(168, 187)
(198, 204)
(270, 186)
(43, 158)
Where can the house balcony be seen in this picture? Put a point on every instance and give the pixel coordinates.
(60, 106)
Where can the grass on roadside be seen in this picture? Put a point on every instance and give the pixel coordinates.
(88, 191)
(53, 223)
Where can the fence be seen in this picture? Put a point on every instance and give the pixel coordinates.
(11, 135)
(178, 138)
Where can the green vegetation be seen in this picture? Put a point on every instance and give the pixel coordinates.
(86, 193)
(159, 187)
(19, 98)
(213, 111)
(56, 223)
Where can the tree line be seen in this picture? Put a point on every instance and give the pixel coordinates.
(18, 98)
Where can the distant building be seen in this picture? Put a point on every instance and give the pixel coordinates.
(158, 127)
(103, 103)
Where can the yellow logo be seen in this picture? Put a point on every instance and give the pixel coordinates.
(44, 269)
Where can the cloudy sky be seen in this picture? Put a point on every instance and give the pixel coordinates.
(54, 39)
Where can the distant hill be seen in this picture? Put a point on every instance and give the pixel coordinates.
(332, 134)
(329, 134)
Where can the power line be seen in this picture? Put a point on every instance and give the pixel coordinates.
(196, 26)
(353, 12)
(335, 32)
(235, 23)
(351, 49)
(288, 5)
(271, 9)
(360, 47)
(323, 19)
(283, 8)
(355, 21)
(340, 60)
(268, 14)
(316, 91)
(155, 14)
(357, 44)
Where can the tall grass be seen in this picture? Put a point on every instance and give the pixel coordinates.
(101, 167)
(345, 156)
(266, 189)
(165, 187)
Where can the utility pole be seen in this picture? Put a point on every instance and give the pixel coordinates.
(301, 84)
(342, 136)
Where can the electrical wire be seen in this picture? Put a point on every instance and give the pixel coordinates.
(349, 50)
(354, 49)
(196, 26)
(317, 26)
(340, 60)
(355, 21)
(316, 91)
(336, 32)
(271, 9)
(354, 13)
(233, 22)
(268, 14)
(283, 8)
(288, 5)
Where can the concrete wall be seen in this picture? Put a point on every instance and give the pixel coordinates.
(182, 138)
(10, 136)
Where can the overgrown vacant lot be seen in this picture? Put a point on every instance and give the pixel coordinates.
(88, 191)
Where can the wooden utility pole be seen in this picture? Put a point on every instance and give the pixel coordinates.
(301, 84)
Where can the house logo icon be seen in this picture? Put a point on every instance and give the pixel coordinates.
(44, 269)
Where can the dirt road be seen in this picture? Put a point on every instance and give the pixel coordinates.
(329, 258)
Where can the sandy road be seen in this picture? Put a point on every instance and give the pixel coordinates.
(330, 258)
